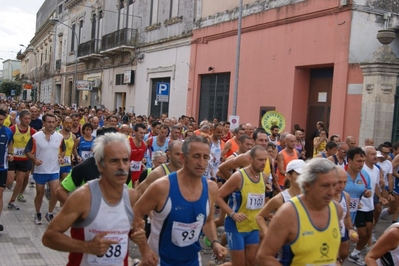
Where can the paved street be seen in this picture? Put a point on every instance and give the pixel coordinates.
(20, 242)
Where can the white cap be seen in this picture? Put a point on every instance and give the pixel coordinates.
(296, 165)
(379, 154)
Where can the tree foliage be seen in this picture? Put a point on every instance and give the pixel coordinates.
(7, 86)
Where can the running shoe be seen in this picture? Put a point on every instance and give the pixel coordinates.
(49, 217)
(38, 218)
(136, 262)
(13, 206)
(356, 259)
(21, 198)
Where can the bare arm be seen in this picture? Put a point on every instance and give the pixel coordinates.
(156, 174)
(282, 230)
(74, 149)
(76, 208)
(209, 228)
(237, 162)
(388, 241)
(270, 206)
(274, 176)
(153, 199)
(61, 194)
(226, 148)
(280, 164)
(232, 184)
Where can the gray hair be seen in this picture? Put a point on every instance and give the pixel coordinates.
(187, 143)
(311, 170)
(106, 139)
(158, 154)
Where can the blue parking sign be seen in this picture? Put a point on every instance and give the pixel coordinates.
(162, 93)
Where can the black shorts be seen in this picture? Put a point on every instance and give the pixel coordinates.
(3, 179)
(18, 166)
(363, 217)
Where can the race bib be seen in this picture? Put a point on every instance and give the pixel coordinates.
(19, 152)
(353, 204)
(135, 166)
(184, 234)
(87, 154)
(115, 254)
(255, 201)
(67, 160)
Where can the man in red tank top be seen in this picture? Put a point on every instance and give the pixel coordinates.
(138, 149)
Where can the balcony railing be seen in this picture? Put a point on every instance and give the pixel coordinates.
(123, 37)
(88, 48)
(58, 65)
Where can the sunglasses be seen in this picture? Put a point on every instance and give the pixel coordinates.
(344, 151)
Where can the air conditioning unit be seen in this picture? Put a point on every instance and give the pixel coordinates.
(96, 83)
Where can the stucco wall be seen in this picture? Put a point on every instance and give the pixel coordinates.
(272, 53)
(177, 58)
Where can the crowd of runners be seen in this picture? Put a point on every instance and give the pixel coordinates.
(159, 181)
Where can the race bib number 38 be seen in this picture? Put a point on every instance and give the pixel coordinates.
(184, 234)
(115, 254)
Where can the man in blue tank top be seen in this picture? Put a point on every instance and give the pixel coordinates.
(183, 207)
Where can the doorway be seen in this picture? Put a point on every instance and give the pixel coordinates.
(159, 108)
(120, 101)
(319, 104)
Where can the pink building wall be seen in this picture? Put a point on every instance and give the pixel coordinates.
(278, 49)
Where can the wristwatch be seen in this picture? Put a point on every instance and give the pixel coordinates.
(215, 241)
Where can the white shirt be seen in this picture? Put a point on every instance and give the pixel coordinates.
(386, 167)
(368, 203)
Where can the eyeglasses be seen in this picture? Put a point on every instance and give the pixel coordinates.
(343, 151)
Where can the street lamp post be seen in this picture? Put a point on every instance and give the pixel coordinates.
(76, 55)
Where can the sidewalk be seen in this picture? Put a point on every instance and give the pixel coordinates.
(20, 242)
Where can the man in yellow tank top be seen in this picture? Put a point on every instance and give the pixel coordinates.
(246, 188)
(83, 118)
(306, 228)
(69, 139)
(19, 168)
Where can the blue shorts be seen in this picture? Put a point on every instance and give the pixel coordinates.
(65, 169)
(345, 237)
(238, 241)
(42, 179)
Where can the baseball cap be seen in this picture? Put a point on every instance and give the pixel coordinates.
(296, 165)
(379, 154)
